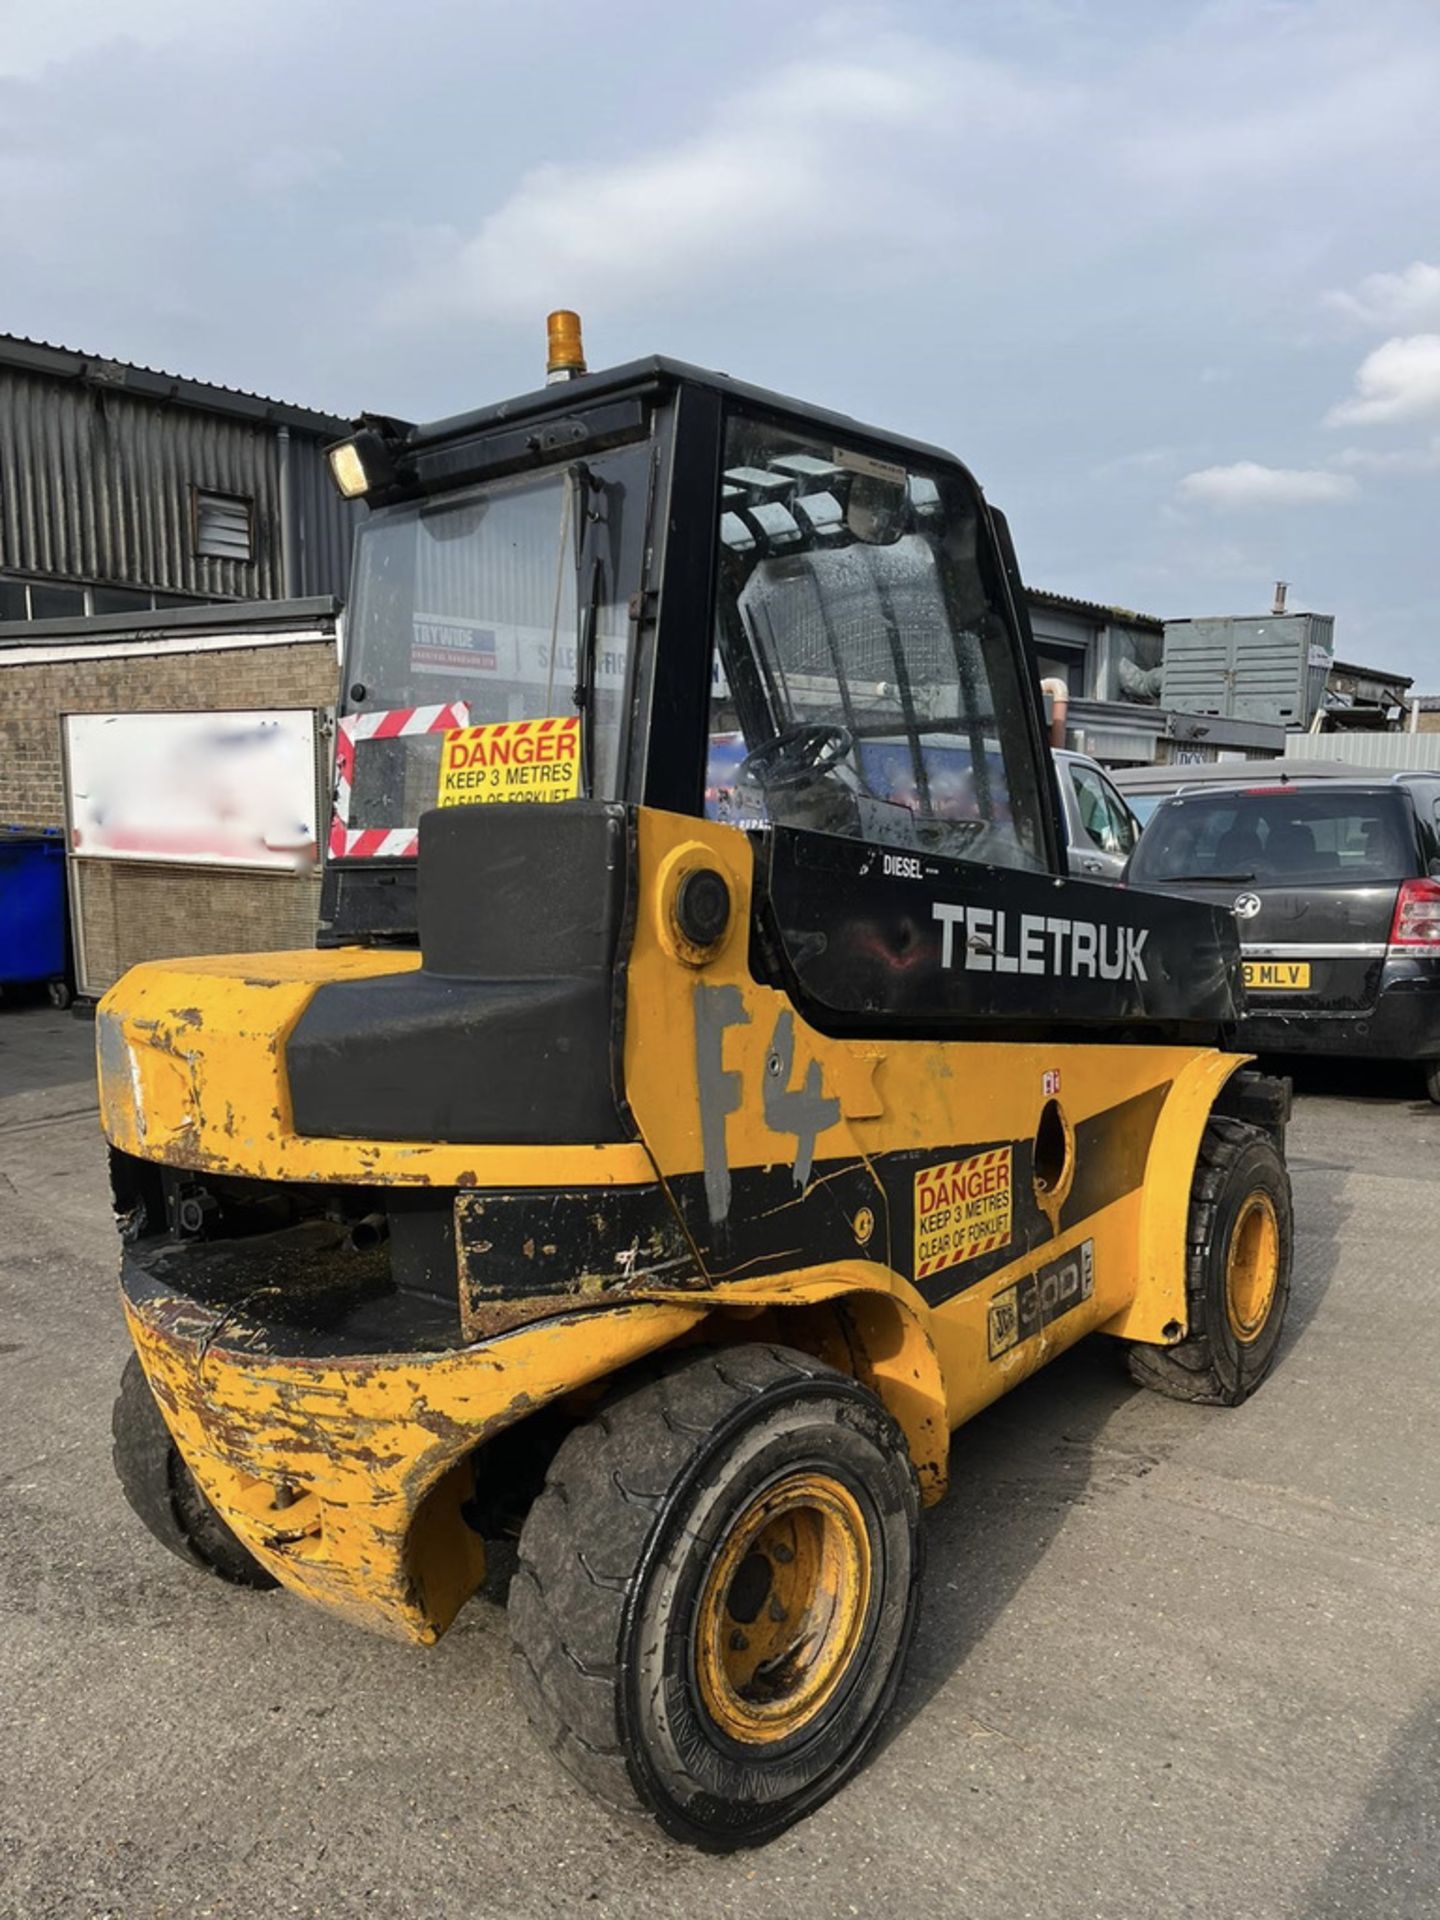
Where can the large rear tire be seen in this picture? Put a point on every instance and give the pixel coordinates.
(163, 1492)
(717, 1590)
(1238, 1259)
(1431, 1070)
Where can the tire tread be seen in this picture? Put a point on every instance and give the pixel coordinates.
(581, 1540)
(1189, 1371)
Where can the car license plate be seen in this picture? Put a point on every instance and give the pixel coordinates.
(1284, 976)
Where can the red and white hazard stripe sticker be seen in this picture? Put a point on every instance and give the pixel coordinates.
(381, 843)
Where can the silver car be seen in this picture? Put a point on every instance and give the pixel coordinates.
(1100, 829)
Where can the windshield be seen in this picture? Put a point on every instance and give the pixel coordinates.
(1282, 835)
(865, 680)
(488, 649)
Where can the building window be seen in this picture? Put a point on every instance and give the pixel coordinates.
(56, 603)
(120, 600)
(1061, 663)
(22, 599)
(222, 525)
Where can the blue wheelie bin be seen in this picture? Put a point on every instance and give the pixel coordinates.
(32, 909)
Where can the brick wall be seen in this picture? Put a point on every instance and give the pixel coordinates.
(131, 910)
(34, 695)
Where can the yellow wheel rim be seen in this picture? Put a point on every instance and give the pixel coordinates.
(1252, 1268)
(783, 1608)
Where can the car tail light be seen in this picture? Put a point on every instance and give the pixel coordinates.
(1417, 915)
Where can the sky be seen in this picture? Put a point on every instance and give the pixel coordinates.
(1165, 275)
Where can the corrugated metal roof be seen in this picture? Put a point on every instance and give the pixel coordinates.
(150, 383)
(166, 623)
(97, 487)
(1107, 616)
(1371, 673)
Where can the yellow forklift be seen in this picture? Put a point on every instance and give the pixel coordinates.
(708, 1089)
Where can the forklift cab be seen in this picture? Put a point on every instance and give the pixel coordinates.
(657, 586)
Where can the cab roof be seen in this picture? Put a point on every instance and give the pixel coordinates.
(654, 374)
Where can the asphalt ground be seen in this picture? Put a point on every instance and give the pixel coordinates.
(1173, 1661)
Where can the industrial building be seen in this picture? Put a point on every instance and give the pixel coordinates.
(123, 489)
(1113, 663)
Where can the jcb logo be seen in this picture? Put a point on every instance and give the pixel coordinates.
(1004, 1323)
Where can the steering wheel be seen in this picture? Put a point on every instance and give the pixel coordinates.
(795, 757)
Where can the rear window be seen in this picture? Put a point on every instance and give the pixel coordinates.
(1142, 805)
(1300, 835)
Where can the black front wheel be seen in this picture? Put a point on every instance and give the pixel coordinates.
(163, 1492)
(1240, 1245)
(716, 1592)
(1431, 1069)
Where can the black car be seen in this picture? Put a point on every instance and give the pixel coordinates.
(1334, 887)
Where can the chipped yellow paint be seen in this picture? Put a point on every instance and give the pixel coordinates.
(191, 1058)
(368, 1455)
(345, 1476)
(763, 1675)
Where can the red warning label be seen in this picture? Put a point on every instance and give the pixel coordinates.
(963, 1208)
(511, 760)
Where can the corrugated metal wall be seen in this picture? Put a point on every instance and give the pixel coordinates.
(324, 523)
(1374, 752)
(96, 485)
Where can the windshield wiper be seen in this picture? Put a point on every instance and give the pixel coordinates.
(1201, 879)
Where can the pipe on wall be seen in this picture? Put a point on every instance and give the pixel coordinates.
(1059, 694)
(289, 572)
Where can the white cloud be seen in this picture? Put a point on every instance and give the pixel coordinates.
(1391, 460)
(1145, 460)
(1390, 302)
(1247, 485)
(823, 153)
(1400, 380)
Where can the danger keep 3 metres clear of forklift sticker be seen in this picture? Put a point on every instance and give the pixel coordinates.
(511, 760)
(962, 1208)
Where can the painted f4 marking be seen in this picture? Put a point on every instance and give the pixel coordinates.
(805, 1111)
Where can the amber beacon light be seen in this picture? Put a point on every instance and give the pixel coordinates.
(565, 358)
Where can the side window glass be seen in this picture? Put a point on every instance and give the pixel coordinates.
(865, 680)
(1122, 820)
(1101, 814)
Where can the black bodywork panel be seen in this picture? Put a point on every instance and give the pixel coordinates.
(596, 1242)
(773, 1223)
(875, 940)
(302, 1290)
(508, 1034)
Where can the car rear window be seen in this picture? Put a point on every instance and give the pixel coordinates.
(1277, 834)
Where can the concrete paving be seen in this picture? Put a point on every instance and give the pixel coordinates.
(1173, 1661)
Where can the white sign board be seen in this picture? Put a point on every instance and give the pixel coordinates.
(202, 789)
